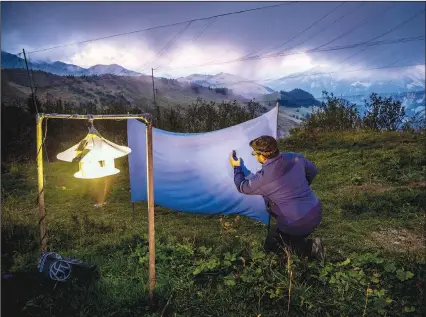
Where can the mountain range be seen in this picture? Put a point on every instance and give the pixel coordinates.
(312, 81)
(298, 94)
(408, 87)
(59, 68)
(238, 85)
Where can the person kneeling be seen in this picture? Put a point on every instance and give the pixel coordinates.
(284, 182)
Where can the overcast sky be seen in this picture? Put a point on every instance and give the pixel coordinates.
(40, 25)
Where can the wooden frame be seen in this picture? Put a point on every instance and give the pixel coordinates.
(150, 179)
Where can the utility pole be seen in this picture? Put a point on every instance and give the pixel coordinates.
(156, 107)
(40, 178)
(33, 95)
(31, 82)
(153, 88)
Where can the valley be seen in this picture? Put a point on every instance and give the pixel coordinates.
(297, 95)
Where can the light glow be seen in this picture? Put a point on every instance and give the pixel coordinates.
(95, 156)
(96, 169)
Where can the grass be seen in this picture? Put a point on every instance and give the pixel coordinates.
(372, 187)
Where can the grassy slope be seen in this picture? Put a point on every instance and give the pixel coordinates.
(137, 90)
(372, 188)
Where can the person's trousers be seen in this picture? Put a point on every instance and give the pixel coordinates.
(277, 240)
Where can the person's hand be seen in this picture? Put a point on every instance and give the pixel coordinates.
(234, 162)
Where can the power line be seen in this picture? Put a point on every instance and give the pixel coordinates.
(356, 27)
(351, 30)
(338, 37)
(165, 25)
(363, 49)
(335, 48)
(209, 23)
(348, 32)
(316, 49)
(324, 28)
(411, 18)
(326, 73)
(167, 46)
(392, 29)
(298, 34)
(383, 34)
(377, 58)
(301, 75)
(375, 38)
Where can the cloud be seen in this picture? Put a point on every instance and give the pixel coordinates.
(96, 53)
(179, 61)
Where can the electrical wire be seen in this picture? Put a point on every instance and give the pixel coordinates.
(335, 48)
(166, 25)
(350, 31)
(411, 18)
(357, 26)
(298, 34)
(326, 73)
(324, 28)
(316, 49)
(167, 46)
(209, 23)
(33, 84)
(372, 39)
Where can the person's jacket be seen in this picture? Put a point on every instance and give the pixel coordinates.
(284, 182)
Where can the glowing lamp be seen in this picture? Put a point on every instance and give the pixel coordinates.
(95, 156)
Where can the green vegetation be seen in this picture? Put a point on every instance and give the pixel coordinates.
(297, 98)
(371, 180)
(382, 114)
(18, 123)
(372, 186)
(105, 89)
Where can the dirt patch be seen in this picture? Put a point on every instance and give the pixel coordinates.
(416, 184)
(399, 240)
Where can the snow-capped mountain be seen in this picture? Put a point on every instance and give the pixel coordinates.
(59, 68)
(238, 85)
(315, 83)
(407, 87)
(113, 69)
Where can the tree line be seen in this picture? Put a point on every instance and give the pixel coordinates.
(336, 114)
(19, 124)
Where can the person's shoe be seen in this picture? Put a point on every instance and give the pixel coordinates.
(318, 250)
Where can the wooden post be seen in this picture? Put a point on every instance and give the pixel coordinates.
(150, 180)
(151, 228)
(40, 181)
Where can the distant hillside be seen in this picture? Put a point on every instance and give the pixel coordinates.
(238, 85)
(59, 68)
(292, 99)
(134, 90)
